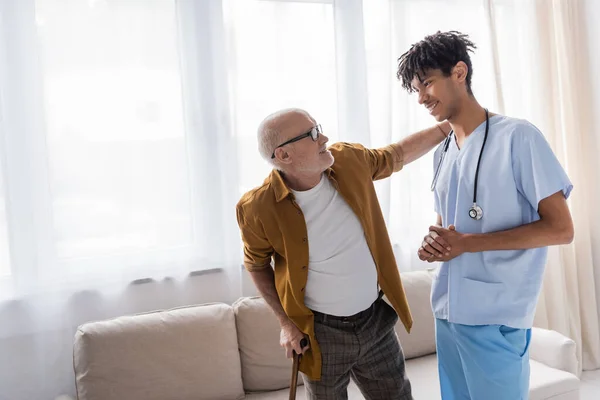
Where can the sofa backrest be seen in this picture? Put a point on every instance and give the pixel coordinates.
(264, 364)
(188, 353)
(211, 351)
(421, 340)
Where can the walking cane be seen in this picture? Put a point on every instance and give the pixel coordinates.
(295, 366)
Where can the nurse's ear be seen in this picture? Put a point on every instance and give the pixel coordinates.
(460, 71)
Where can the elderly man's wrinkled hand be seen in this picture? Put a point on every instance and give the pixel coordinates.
(290, 339)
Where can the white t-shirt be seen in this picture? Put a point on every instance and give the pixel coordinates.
(342, 277)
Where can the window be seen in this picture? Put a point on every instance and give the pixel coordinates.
(284, 56)
(118, 171)
(131, 124)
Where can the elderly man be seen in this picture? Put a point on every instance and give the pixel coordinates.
(318, 218)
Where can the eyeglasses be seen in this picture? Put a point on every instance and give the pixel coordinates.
(313, 133)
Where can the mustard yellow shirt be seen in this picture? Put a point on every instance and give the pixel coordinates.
(273, 228)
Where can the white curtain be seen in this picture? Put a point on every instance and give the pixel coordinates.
(565, 116)
(127, 134)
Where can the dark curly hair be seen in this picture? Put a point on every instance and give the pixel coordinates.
(442, 50)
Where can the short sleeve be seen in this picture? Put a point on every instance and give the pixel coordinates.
(257, 249)
(538, 173)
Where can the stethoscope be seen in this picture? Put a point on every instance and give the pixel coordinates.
(475, 211)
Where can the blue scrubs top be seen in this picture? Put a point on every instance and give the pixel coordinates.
(518, 170)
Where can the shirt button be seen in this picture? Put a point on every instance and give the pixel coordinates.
(304, 267)
(299, 212)
(302, 290)
(304, 240)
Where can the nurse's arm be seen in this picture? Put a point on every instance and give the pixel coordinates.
(392, 158)
(412, 147)
(554, 227)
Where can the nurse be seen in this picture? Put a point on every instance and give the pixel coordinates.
(500, 195)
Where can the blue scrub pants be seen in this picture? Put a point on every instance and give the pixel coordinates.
(482, 362)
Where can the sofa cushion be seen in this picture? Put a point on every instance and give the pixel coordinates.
(190, 353)
(547, 382)
(424, 378)
(264, 364)
(421, 340)
(544, 382)
(353, 393)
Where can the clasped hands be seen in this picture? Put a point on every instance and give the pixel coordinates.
(441, 244)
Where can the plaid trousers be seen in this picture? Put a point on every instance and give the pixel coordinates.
(363, 347)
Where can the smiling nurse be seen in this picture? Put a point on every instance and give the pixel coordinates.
(500, 195)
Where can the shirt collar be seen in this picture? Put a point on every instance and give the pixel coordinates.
(281, 189)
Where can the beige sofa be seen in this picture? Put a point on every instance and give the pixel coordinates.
(220, 351)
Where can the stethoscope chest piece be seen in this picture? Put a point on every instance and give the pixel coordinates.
(475, 212)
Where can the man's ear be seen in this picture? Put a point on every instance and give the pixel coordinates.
(282, 156)
(460, 71)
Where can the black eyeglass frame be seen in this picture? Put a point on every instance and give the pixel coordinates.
(313, 133)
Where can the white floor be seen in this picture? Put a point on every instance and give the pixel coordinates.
(590, 385)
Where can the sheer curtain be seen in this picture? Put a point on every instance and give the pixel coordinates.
(127, 135)
(566, 117)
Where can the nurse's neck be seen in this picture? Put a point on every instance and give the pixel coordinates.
(467, 116)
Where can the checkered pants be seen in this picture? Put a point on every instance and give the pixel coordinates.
(363, 347)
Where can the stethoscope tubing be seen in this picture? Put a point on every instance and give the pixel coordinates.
(478, 213)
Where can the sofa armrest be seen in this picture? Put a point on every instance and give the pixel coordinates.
(554, 350)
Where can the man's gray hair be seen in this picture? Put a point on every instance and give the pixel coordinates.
(268, 137)
(268, 134)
